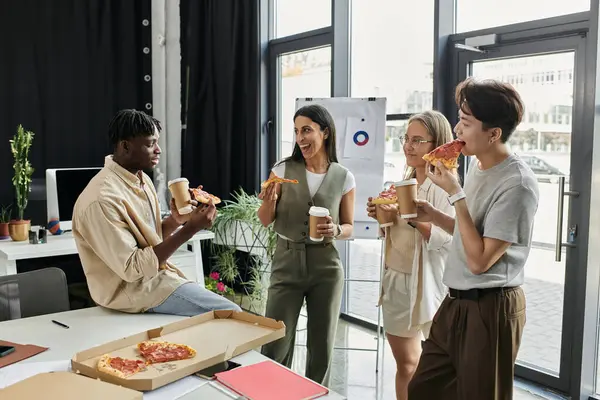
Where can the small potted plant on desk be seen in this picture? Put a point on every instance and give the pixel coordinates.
(19, 146)
(5, 212)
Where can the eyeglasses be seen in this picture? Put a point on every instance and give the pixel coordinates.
(413, 142)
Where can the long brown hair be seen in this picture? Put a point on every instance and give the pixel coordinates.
(319, 115)
(437, 126)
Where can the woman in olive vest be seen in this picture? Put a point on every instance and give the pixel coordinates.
(303, 269)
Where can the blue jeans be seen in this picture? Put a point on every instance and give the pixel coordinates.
(190, 299)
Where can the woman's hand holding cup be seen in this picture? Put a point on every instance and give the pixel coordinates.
(328, 228)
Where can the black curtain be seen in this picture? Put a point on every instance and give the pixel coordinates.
(66, 67)
(220, 49)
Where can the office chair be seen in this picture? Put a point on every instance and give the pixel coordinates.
(38, 292)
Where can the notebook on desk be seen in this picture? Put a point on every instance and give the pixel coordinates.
(268, 380)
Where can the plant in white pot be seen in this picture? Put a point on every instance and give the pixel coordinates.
(5, 212)
(242, 250)
(19, 146)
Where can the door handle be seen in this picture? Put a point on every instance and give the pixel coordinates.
(559, 218)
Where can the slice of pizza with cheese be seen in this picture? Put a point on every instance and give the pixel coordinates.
(202, 196)
(159, 351)
(120, 367)
(276, 179)
(447, 154)
(386, 196)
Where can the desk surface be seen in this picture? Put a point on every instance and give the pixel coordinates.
(57, 246)
(88, 328)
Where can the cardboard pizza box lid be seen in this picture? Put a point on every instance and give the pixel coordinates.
(216, 336)
(67, 386)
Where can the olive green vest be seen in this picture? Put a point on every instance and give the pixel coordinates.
(291, 218)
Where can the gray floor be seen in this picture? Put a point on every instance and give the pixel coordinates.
(540, 345)
(354, 370)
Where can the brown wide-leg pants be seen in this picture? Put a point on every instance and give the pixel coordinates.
(471, 351)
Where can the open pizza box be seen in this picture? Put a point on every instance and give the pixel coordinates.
(216, 336)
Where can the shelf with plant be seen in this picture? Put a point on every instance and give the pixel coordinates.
(243, 249)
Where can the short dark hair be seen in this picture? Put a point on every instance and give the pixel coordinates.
(496, 104)
(129, 123)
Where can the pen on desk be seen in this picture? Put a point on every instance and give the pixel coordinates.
(60, 324)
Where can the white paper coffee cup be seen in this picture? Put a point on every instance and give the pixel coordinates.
(317, 215)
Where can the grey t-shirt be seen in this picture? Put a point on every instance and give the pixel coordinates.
(502, 201)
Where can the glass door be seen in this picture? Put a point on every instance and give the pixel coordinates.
(545, 75)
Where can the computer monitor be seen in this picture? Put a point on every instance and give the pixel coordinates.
(63, 187)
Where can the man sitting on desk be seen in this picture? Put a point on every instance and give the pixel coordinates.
(119, 233)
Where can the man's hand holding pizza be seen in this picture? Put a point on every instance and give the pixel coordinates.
(202, 217)
(443, 177)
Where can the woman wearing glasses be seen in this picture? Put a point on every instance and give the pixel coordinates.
(412, 287)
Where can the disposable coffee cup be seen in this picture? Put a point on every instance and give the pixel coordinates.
(407, 194)
(179, 189)
(317, 215)
(385, 218)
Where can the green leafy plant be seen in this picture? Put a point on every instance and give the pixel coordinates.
(19, 146)
(244, 208)
(226, 263)
(5, 213)
(237, 227)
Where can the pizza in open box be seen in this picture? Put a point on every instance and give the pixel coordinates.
(159, 351)
(120, 367)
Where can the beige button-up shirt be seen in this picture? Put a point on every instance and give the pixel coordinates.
(116, 223)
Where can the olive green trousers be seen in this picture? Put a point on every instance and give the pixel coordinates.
(313, 272)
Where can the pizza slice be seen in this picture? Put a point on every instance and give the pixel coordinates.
(158, 351)
(120, 367)
(386, 196)
(447, 154)
(276, 179)
(202, 196)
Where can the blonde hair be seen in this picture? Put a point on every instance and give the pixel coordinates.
(437, 126)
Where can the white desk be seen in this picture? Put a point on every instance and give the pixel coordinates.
(91, 327)
(190, 263)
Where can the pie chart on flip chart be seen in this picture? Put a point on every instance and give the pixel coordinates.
(361, 138)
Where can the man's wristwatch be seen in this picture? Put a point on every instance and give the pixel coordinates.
(339, 232)
(456, 197)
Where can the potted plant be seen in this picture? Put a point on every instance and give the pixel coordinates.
(19, 146)
(5, 212)
(242, 250)
(214, 283)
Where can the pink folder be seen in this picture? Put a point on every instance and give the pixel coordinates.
(268, 380)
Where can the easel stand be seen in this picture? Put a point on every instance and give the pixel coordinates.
(379, 345)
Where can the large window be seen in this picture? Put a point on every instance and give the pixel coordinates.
(365, 255)
(391, 57)
(295, 16)
(481, 14)
(392, 53)
(303, 74)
